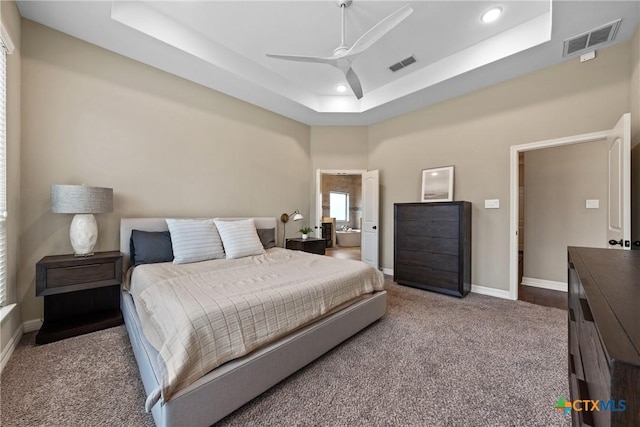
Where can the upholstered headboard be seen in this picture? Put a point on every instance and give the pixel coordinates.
(160, 224)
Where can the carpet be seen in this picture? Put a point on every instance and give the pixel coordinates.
(433, 360)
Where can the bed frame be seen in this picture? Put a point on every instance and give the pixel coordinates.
(235, 383)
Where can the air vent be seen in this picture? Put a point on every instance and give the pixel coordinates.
(404, 63)
(588, 40)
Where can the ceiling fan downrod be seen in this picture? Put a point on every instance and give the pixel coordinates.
(343, 4)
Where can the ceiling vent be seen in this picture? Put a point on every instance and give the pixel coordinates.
(588, 40)
(404, 63)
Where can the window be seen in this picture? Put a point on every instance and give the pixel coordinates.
(339, 206)
(3, 175)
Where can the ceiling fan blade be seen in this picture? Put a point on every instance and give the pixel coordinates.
(301, 58)
(354, 82)
(379, 30)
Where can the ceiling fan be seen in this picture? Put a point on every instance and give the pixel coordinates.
(343, 56)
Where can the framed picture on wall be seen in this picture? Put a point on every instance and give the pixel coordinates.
(437, 184)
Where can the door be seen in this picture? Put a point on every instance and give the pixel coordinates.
(619, 204)
(370, 214)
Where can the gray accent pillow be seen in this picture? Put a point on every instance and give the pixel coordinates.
(267, 237)
(150, 247)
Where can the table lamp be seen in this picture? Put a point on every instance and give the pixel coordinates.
(83, 201)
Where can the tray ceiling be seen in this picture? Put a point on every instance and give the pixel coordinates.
(222, 45)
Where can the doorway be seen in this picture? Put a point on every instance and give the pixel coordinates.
(339, 212)
(618, 197)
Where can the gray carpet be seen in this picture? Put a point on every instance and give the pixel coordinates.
(432, 360)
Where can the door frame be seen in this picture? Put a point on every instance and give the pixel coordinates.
(318, 197)
(514, 192)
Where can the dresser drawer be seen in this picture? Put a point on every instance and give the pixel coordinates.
(80, 274)
(406, 274)
(437, 212)
(433, 261)
(412, 242)
(421, 229)
(597, 372)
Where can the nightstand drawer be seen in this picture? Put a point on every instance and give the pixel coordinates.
(67, 273)
(80, 274)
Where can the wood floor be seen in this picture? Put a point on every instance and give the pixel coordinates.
(538, 296)
(344, 253)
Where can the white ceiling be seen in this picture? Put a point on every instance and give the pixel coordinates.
(222, 45)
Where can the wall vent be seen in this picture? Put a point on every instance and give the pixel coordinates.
(589, 39)
(404, 63)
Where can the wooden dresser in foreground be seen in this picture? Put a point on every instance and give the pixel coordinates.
(604, 335)
(81, 294)
(432, 246)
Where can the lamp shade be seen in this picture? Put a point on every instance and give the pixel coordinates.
(81, 199)
(297, 217)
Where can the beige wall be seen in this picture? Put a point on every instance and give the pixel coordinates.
(172, 148)
(168, 147)
(338, 148)
(635, 136)
(11, 20)
(558, 183)
(474, 133)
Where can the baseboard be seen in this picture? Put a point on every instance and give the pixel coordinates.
(545, 284)
(32, 325)
(482, 290)
(492, 292)
(28, 326)
(8, 350)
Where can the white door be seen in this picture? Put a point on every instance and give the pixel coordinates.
(619, 205)
(370, 215)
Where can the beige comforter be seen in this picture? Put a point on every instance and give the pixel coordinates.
(201, 315)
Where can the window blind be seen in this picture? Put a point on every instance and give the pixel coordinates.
(3, 176)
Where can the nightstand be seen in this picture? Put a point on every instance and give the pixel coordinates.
(81, 294)
(311, 245)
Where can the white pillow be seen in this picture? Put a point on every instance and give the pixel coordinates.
(194, 240)
(240, 238)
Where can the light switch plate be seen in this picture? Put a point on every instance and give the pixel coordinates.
(492, 204)
(593, 204)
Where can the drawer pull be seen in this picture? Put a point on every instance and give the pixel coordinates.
(586, 311)
(78, 267)
(571, 315)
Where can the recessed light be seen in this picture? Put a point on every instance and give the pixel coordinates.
(491, 15)
(341, 88)
(434, 173)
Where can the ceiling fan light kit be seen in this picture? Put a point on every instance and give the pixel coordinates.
(343, 56)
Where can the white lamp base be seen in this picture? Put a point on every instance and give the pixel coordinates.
(83, 234)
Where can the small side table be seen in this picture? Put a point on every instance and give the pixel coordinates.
(81, 294)
(312, 245)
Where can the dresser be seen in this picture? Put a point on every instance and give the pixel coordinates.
(604, 335)
(432, 246)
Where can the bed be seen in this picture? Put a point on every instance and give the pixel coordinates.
(236, 382)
